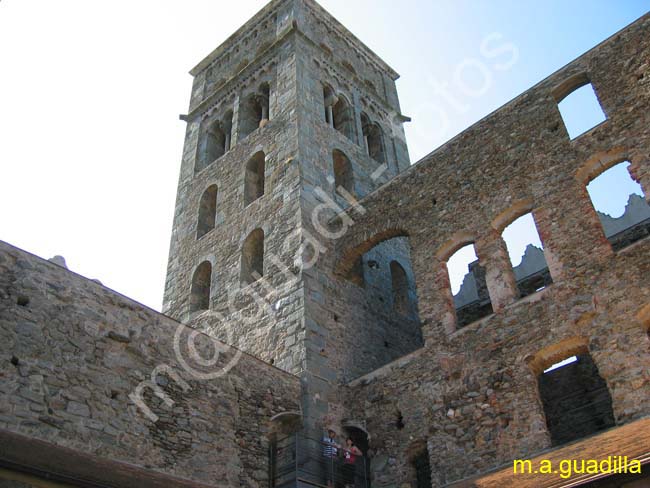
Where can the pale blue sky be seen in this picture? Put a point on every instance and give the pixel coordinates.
(90, 141)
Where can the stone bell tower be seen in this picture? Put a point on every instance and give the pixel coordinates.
(291, 121)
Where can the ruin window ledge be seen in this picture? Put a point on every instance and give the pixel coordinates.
(197, 173)
(195, 315)
(246, 287)
(256, 201)
(590, 132)
(251, 134)
(201, 237)
(632, 246)
(477, 324)
(533, 297)
(345, 138)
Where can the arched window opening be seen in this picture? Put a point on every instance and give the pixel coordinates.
(254, 111)
(210, 148)
(468, 286)
(373, 139)
(400, 287)
(201, 283)
(284, 436)
(575, 398)
(526, 255)
(226, 124)
(342, 118)
(215, 142)
(621, 206)
(254, 178)
(356, 472)
(386, 299)
(579, 107)
(422, 467)
(328, 103)
(343, 174)
(252, 257)
(207, 211)
(265, 95)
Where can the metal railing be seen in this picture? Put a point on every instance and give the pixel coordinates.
(305, 460)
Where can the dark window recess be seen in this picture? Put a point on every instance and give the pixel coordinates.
(422, 470)
(252, 257)
(200, 292)
(207, 211)
(576, 401)
(343, 174)
(254, 178)
(535, 282)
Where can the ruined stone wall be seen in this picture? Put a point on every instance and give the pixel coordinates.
(471, 394)
(350, 329)
(73, 351)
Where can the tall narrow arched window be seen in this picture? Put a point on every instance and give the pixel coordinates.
(210, 148)
(400, 286)
(207, 211)
(254, 178)
(252, 257)
(201, 283)
(227, 128)
(265, 96)
(343, 175)
(342, 117)
(215, 143)
(373, 139)
(328, 102)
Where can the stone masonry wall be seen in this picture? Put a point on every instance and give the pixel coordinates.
(349, 329)
(298, 145)
(470, 395)
(277, 213)
(73, 351)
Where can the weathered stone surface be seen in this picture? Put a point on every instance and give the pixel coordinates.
(67, 375)
(519, 153)
(352, 324)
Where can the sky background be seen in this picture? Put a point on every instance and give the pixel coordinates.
(90, 92)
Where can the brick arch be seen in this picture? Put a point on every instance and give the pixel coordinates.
(512, 213)
(285, 423)
(458, 240)
(550, 355)
(601, 162)
(568, 86)
(415, 448)
(350, 255)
